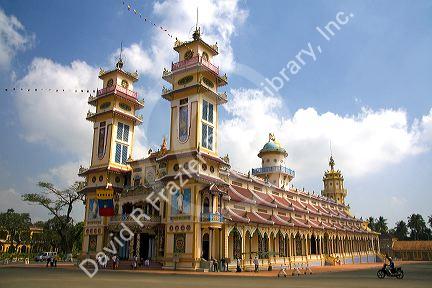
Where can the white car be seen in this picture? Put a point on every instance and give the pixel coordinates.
(45, 255)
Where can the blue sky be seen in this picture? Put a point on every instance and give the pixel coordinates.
(369, 91)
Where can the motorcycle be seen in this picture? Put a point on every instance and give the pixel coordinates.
(386, 271)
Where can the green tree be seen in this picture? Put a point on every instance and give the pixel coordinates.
(16, 225)
(60, 204)
(430, 221)
(381, 225)
(418, 228)
(401, 230)
(371, 223)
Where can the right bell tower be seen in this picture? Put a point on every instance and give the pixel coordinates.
(334, 184)
(194, 96)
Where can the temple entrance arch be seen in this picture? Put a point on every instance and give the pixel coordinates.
(235, 244)
(313, 243)
(205, 246)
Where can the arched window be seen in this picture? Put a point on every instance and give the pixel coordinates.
(205, 56)
(206, 205)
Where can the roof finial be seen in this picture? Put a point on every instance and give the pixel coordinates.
(197, 33)
(119, 64)
(331, 162)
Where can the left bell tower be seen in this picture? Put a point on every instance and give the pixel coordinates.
(114, 122)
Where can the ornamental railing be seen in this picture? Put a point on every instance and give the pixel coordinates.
(127, 218)
(271, 169)
(193, 61)
(211, 217)
(117, 89)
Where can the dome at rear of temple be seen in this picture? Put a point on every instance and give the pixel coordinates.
(272, 146)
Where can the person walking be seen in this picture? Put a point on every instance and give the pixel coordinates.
(114, 260)
(215, 265)
(256, 263)
(282, 271)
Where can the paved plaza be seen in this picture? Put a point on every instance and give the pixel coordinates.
(416, 275)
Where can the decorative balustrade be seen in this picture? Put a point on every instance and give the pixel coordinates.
(117, 89)
(165, 90)
(127, 218)
(211, 217)
(194, 61)
(271, 169)
(223, 96)
(90, 114)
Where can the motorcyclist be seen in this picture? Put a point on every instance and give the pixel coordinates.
(391, 264)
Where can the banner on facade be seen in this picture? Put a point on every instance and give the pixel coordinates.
(105, 202)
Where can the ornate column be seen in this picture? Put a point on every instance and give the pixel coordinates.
(210, 243)
(138, 245)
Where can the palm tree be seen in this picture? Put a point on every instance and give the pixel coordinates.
(371, 223)
(401, 230)
(417, 225)
(381, 225)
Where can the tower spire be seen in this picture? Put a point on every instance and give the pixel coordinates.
(119, 64)
(197, 33)
(331, 162)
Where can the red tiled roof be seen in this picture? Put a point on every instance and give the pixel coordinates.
(278, 219)
(238, 215)
(328, 226)
(283, 203)
(298, 206)
(263, 199)
(315, 224)
(299, 223)
(254, 217)
(240, 194)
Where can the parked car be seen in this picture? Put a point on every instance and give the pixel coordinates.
(45, 255)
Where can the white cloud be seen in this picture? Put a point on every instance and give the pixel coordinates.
(362, 143)
(217, 19)
(57, 119)
(13, 38)
(64, 175)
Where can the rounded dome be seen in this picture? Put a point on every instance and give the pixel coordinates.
(272, 146)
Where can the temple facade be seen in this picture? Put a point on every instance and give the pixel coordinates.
(194, 207)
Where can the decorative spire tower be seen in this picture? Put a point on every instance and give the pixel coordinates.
(114, 122)
(273, 167)
(194, 96)
(334, 184)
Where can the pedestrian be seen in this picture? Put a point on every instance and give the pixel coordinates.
(215, 265)
(147, 263)
(114, 260)
(256, 263)
(282, 271)
(48, 261)
(223, 264)
(55, 261)
(210, 265)
(238, 269)
(135, 262)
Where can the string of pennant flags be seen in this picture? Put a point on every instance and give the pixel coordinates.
(56, 90)
(146, 19)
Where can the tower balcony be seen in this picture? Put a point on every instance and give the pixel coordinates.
(221, 98)
(194, 62)
(273, 169)
(137, 119)
(211, 217)
(118, 90)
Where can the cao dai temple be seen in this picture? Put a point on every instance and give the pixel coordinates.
(215, 212)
